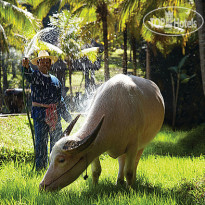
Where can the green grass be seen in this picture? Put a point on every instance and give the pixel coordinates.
(170, 171)
(159, 181)
(15, 138)
(179, 143)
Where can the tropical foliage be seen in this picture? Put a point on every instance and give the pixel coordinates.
(17, 24)
(113, 24)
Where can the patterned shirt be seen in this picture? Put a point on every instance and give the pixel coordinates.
(46, 89)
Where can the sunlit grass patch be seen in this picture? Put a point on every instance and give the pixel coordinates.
(178, 143)
(160, 180)
(166, 134)
(170, 171)
(15, 138)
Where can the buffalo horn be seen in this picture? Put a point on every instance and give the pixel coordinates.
(68, 130)
(78, 146)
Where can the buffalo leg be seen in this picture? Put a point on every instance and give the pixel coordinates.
(120, 177)
(96, 170)
(139, 154)
(130, 164)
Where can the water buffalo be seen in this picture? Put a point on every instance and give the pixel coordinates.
(125, 115)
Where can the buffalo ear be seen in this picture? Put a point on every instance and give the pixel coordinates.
(68, 130)
(74, 147)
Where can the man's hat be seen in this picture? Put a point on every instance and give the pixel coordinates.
(44, 54)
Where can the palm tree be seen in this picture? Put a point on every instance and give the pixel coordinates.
(134, 11)
(13, 20)
(16, 25)
(101, 12)
(17, 18)
(148, 73)
(70, 40)
(41, 8)
(124, 62)
(200, 8)
(131, 17)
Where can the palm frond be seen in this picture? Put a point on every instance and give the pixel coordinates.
(21, 19)
(33, 3)
(3, 43)
(14, 2)
(90, 53)
(54, 50)
(62, 4)
(42, 9)
(88, 15)
(127, 9)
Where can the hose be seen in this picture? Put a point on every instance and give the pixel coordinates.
(28, 116)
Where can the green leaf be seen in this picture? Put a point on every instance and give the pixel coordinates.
(186, 80)
(21, 19)
(54, 50)
(181, 63)
(174, 68)
(91, 53)
(3, 43)
(183, 76)
(192, 76)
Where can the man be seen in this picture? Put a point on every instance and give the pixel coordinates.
(47, 105)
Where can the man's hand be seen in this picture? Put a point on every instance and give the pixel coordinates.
(25, 63)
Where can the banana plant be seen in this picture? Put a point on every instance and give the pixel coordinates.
(70, 39)
(181, 77)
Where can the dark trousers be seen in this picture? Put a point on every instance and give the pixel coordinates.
(41, 141)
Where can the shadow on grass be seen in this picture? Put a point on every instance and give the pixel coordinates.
(193, 144)
(187, 193)
(183, 194)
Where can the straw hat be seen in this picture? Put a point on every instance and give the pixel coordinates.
(44, 54)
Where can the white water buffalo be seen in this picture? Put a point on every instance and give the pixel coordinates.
(126, 114)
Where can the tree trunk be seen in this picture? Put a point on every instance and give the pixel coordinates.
(173, 102)
(201, 34)
(124, 62)
(130, 53)
(13, 69)
(134, 56)
(5, 80)
(1, 94)
(70, 75)
(148, 62)
(105, 39)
